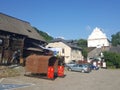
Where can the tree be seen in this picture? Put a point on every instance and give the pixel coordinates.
(47, 37)
(83, 44)
(116, 39)
(112, 59)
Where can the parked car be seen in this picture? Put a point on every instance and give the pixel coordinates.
(70, 64)
(80, 67)
(93, 67)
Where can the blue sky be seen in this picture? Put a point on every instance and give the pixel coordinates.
(71, 19)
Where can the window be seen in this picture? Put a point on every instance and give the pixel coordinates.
(63, 50)
(29, 30)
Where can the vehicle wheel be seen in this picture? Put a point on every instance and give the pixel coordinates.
(69, 69)
(82, 71)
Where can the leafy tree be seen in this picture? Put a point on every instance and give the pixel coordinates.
(116, 39)
(83, 44)
(47, 37)
(112, 59)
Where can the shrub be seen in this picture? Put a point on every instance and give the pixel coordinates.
(112, 59)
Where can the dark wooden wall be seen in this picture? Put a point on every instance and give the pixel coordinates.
(9, 46)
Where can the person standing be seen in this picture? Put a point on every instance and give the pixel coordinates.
(16, 57)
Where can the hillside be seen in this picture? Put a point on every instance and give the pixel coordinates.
(47, 37)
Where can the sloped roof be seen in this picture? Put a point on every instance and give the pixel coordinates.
(97, 34)
(17, 26)
(67, 42)
(115, 49)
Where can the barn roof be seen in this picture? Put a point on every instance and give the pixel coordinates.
(17, 26)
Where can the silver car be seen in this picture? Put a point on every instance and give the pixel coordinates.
(80, 67)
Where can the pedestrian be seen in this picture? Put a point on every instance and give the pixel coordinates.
(16, 57)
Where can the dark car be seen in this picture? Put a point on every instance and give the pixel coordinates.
(93, 67)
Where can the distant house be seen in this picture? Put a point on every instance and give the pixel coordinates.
(16, 34)
(97, 39)
(68, 50)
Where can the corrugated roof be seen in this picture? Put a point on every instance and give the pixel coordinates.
(14, 25)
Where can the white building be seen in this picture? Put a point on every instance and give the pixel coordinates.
(67, 50)
(97, 39)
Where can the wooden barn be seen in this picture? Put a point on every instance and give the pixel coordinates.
(16, 34)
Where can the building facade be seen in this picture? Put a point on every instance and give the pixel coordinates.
(97, 39)
(67, 50)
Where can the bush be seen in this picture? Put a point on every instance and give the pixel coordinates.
(112, 59)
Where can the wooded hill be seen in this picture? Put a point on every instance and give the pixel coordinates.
(47, 37)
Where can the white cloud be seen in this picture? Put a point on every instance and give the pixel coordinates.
(48, 33)
(60, 37)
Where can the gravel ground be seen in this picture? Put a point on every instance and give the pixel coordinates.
(102, 79)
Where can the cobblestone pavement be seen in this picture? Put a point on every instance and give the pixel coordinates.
(103, 79)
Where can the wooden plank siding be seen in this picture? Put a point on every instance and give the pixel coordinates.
(10, 44)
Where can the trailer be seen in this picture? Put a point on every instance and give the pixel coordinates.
(48, 67)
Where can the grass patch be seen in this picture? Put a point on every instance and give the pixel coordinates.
(8, 72)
